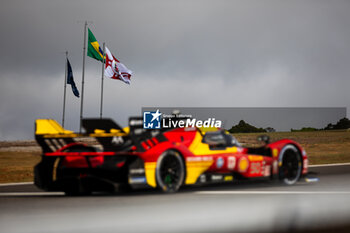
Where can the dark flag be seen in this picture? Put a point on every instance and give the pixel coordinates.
(70, 79)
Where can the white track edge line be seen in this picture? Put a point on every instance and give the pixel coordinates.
(271, 192)
(16, 194)
(19, 183)
(330, 165)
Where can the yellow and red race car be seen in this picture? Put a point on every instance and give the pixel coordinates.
(167, 159)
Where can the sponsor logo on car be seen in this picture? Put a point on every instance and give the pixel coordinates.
(220, 162)
(231, 162)
(137, 180)
(255, 168)
(216, 177)
(243, 164)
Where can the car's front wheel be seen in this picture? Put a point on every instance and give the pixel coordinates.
(170, 171)
(290, 165)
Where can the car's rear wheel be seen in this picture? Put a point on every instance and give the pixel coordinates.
(291, 165)
(170, 171)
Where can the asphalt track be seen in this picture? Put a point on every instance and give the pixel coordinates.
(257, 206)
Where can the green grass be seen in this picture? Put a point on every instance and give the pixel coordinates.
(17, 166)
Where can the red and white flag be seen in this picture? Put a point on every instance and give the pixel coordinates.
(116, 70)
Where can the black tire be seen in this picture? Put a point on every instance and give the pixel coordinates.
(170, 171)
(291, 165)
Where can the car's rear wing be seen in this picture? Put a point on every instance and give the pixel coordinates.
(51, 136)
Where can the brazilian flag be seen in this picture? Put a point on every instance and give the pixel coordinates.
(94, 49)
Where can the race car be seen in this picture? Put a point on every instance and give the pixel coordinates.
(134, 157)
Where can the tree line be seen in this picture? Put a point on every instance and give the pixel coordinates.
(343, 123)
(244, 127)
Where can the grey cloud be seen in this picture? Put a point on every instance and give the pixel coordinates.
(183, 53)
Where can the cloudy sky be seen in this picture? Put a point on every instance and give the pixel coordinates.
(261, 53)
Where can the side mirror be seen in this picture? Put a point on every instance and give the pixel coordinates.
(264, 138)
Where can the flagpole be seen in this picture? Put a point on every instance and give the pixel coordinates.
(82, 78)
(102, 77)
(65, 87)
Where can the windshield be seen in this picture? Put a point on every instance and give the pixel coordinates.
(220, 138)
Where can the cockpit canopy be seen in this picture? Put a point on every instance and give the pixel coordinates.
(220, 139)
